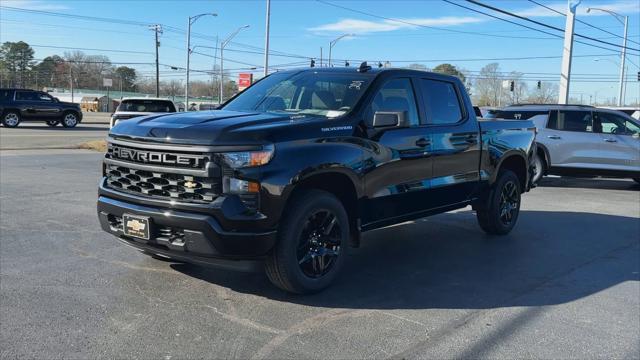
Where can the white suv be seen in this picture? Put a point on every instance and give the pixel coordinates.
(133, 107)
(579, 140)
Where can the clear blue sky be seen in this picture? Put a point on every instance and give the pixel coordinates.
(302, 27)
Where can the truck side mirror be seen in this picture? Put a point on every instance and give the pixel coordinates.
(388, 118)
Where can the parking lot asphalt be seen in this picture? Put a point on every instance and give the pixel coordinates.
(36, 135)
(564, 284)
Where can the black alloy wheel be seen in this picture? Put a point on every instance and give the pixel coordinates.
(319, 244)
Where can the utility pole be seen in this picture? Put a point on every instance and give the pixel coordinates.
(266, 40)
(71, 77)
(567, 51)
(157, 28)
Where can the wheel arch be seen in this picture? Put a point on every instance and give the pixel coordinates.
(546, 156)
(516, 162)
(340, 182)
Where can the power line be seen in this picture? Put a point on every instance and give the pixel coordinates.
(91, 49)
(582, 22)
(524, 26)
(421, 25)
(545, 25)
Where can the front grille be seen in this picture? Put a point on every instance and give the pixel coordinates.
(162, 185)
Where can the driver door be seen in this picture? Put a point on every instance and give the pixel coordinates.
(45, 106)
(619, 142)
(399, 167)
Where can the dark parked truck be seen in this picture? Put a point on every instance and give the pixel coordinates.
(290, 172)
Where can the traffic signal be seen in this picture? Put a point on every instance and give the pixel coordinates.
(512, 85)
(539, 84)
(313, 63)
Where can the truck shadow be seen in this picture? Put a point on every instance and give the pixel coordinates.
(447, 262)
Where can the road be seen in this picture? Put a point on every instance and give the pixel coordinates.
(564, 284)
(41, 136)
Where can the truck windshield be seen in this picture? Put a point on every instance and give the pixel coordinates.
(304, 92)
(146, 106)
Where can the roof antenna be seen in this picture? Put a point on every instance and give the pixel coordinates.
(364, 67)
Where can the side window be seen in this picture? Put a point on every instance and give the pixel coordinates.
(26, 95)
(441, 101)
(614, 124)
(395, 95)
(568, 120)
(44, 97)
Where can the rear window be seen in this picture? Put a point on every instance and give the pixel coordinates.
(566, 120)
(441, 102)
(146, 106)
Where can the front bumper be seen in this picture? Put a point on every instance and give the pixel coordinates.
(187, 236)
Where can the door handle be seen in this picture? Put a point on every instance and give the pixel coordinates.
(422, 142)
(554, 137)
(610, 140)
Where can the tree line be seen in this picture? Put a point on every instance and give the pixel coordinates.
(20, 69)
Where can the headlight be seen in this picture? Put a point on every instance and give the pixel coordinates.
(249, 158)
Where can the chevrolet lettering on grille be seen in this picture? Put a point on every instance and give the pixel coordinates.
(143, 156)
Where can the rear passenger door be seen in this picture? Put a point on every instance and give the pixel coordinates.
(455, 146)
(26, 102)
(572, 141)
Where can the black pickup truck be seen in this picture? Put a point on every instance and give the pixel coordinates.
(290, 172)
(20, 105)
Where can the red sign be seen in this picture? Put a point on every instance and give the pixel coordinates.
(244, 80)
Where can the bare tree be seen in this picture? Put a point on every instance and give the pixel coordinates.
(488, 86)
(546, 94)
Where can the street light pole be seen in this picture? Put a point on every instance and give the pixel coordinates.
(567, 53)
(192, 19)
(266, 39)
(222, 45)
(333, 42)
(624, 20)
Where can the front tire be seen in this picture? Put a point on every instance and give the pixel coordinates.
(312, 241)
(11, 119)
(500, 213)
(69, 119)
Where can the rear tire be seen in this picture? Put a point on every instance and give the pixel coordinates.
(539, 167)
(313, 239)
(11, 119)
(69, 119)
(499, 215)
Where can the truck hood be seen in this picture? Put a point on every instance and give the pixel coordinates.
(217, 127)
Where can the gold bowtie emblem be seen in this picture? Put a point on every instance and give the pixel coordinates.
(190, 184)
(135, 225)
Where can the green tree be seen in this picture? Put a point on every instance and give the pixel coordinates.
(16, 60)
(449, 69)
(50, 72)
(127, 76)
